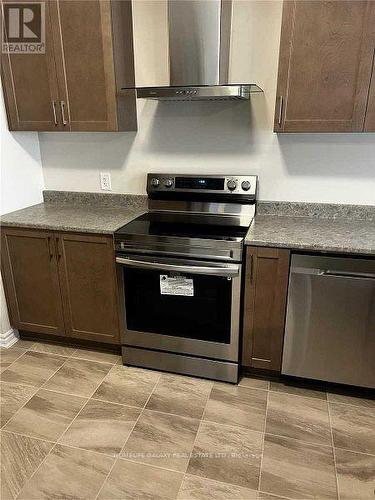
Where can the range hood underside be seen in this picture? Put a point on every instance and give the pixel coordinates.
(199, 92)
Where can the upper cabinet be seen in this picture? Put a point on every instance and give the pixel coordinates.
(325, 67)
(75, 84)
(30, 84)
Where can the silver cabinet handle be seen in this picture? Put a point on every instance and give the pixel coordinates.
(62, 105)
(280, 117)
(54, 113)
(231, 270)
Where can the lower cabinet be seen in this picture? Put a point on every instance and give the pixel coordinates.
(61, 283)
(266, 284)
(88, 286)
(31, 281)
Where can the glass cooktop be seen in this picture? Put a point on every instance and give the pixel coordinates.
(183, 225)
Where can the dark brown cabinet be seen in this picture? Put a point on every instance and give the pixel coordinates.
(29, 269)
(88, 286)
(61, 283)
(266, 283)
(30, 85)
(75, 85)
(325, 66)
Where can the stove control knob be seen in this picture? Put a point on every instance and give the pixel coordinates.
(231, 184)
(168, 183)
(245, 185)
(155, 182)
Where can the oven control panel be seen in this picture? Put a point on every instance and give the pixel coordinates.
(219, 184)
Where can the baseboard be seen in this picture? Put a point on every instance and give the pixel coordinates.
(9, 338)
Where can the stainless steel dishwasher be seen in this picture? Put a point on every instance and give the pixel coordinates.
(330, 323)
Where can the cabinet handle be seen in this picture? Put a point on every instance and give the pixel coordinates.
(54, 113)
(49, 248)
(280, 117)
(251, 268)
(62, 105)
(58, 248)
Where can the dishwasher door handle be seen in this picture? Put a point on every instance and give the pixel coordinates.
(348, 274)
(329, 272)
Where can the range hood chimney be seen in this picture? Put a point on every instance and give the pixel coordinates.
(197, 53)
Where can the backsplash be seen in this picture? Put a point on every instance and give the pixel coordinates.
(320, 210)
(106, 200)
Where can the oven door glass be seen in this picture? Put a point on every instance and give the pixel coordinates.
(194, 305)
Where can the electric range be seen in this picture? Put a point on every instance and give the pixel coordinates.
(180, 271)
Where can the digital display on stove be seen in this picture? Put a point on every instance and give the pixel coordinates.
(212, 183)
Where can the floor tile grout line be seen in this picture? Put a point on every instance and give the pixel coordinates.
(59, 392)
(72, 356)
(299, 395)
(251, 388)
(301, 441)
(7, 368)
(20, 408)
(22, 434)
(354, 451)
(36, 470)
(78, 395)
(195, 439)
(361, 407)
(245, 487)
(179, 415)
(71, 423)
(333, 450)
(114, 403)
(64, 445)
(127, 439)
(263, 443)
(88, 398)
(18, 357)
(37, 390)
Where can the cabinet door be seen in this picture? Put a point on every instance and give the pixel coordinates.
(325, 64)
(88, 285)
(84, 52)
(29, 268)
(30, 84)
(267, 272)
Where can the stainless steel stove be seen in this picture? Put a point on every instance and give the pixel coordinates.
(180, 270)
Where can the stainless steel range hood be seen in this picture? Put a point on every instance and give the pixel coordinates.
(197, 92)
(196, 55)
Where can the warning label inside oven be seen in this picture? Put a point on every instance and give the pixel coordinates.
(176, 285)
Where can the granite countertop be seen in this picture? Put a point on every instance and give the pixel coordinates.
(299, 226)
(78, 212)
(333, 230)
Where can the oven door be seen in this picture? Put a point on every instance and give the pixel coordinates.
(181, 306)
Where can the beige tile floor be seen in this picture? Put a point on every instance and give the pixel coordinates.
(76, 424)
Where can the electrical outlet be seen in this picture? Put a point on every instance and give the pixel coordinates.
(105, 181)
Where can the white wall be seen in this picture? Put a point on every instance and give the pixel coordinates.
(21, 169)
(222, 137)
(21, 185)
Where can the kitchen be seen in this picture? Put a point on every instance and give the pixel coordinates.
(281, 406)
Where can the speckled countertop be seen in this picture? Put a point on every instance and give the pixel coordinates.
(324, 228)
(81, 212)
(300, 226)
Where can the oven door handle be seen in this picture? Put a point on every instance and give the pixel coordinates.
(230, 270)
